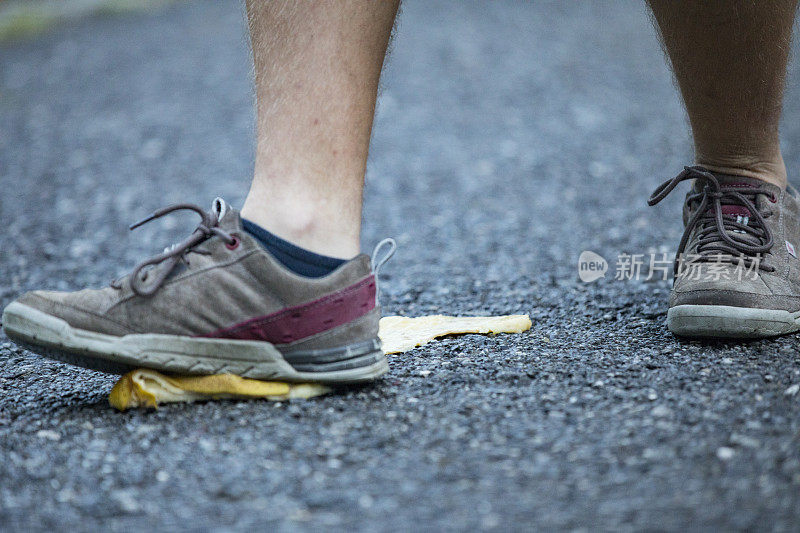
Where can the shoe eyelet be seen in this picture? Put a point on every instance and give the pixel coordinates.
(233, 245)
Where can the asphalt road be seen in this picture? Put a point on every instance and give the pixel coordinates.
(509, 138)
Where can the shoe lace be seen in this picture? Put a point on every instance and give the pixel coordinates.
(172, 255)
(721, 238)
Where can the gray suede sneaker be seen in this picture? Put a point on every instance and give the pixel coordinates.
(737, 273)
(215, 303)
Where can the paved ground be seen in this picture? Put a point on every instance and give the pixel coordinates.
(510, 137)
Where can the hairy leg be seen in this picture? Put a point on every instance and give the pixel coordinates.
(729, 58)
(317, 67)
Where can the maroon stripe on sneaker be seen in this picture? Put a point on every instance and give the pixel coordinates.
(301, 321)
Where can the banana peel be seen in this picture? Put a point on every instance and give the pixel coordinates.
(399, 333)
(148, 388)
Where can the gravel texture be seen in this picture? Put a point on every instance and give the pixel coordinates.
(509, 138)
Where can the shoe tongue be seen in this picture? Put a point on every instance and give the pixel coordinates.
(731, 209)
(729, 180)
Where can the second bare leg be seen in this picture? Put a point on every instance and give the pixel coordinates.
(729, 58)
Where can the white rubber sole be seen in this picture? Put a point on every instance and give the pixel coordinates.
(724, 321)
(55, 338)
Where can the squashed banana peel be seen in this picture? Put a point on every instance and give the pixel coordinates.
(148, 388)
(400, 334)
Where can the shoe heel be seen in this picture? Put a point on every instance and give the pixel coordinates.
(362, 354)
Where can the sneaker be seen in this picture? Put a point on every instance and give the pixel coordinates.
(214, 303)
(737, 273)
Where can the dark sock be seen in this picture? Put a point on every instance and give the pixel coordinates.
(298, 260)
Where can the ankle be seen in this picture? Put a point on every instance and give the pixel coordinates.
(771, 170)
(306, 226)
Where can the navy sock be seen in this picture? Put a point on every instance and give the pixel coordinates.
(298, 260)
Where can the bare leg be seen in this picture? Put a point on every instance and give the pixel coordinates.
(317, 66)
(729, 58)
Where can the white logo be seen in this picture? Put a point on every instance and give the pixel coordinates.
(591, 266)
(790, 249)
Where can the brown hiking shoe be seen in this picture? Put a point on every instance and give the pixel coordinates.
(215, 303)
(736, 271)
